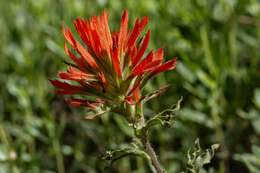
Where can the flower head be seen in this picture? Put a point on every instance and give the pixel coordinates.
(110, 67)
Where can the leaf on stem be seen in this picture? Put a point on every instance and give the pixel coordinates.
(197, 157)
(154, 94)
(165, 119)
(114, 155)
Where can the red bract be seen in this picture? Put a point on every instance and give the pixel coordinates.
(109, 66)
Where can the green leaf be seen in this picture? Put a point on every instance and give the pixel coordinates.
(154, 94)
(186, 72)
(114, 155)
(252, 161)
(165, 119)
(206, 79)
(256, 125)
(197, 158)
(188, 114)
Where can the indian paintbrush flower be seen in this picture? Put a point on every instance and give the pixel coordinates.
(109, 66)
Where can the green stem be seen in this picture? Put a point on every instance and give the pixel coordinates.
(148, 148)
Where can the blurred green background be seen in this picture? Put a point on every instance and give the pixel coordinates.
(218, 74)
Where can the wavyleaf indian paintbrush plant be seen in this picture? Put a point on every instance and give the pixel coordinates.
(109, 66)
(112, 68)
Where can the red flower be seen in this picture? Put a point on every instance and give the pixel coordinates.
(109, 66)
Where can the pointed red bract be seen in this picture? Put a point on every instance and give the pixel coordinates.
(81, 65)
(137, 30)
(80, 102)
(135, 86)
(167, 66)
(142, 49)
(137, 94)
(65, 86)
(158, 55)
(69, 37)
(123, 32)
(75, 76)
(88, 58)
(116, 63)
(141, 67)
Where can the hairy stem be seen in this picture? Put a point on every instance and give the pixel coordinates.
(152, 155)
(140, 119)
